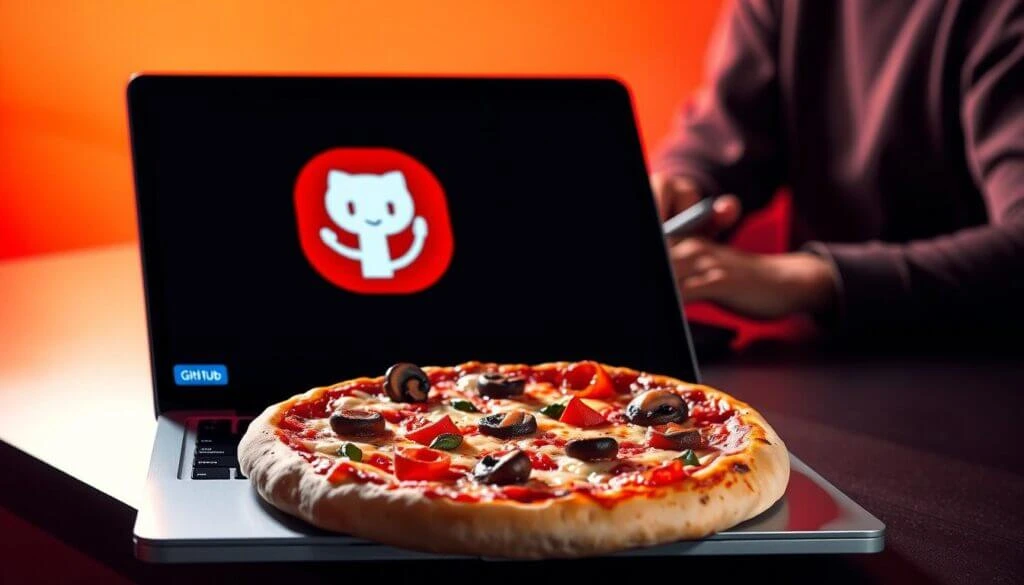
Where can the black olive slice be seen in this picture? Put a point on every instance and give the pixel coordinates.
(657, 407)
(498, 385)
(506, 425)
(593, 449)
(405, 382)
(508, 469)
(349, 421)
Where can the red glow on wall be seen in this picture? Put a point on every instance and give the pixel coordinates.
(65, 171)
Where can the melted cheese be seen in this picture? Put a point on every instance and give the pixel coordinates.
(474, 446)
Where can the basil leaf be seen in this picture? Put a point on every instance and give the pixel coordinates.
(689, 457)
(446, 441)
(351, 451)
(553, 410)
(463, 405)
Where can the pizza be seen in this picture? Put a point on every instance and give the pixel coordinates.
(546, 461)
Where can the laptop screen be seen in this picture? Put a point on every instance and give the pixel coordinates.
(301, 231)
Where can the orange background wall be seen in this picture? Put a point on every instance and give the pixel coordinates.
(65, 171)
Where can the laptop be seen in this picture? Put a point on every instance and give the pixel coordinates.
(533, 237)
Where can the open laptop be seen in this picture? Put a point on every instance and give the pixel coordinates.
(533, 237)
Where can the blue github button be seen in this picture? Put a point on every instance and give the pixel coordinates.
(200, 375)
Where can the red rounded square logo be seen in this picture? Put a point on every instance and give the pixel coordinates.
(373, 220)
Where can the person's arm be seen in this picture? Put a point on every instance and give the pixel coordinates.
(726, 140)
(974, 277)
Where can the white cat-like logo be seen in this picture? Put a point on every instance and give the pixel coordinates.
(372, 207)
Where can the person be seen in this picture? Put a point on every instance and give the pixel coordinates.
(898, 127)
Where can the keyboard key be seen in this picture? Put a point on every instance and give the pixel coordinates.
(215, 461)
(214, 450)
(218, 427)
(238, 474)
(211, 473)
(216, 441)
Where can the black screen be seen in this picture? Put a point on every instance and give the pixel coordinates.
(558, 253)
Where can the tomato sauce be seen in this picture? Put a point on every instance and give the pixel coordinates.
(346, 470)
(550, 375)
(528, 495)
(630, 449)
(291, 423)
(392, 416)
(705, 410)
(443, 375)
(663, 475)
(515, 370)
(310, 409)
(380, 461)
(288, 438)
(607, 498)
(318, 407)
(541, 461)
(730, 437)
(548, 439)
(415, 422)
(694, 396)
(630, 479)
(615, 416)
(623, 381)
(710, 413)
(321, 465)
(578, 376)
(449, 492)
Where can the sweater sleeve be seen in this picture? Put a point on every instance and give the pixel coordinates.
(974, 278)
(726, 138)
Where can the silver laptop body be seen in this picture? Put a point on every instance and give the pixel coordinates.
(216, 159)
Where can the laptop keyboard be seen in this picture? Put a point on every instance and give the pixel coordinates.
(216, 450)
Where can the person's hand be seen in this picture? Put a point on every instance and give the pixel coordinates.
(674, 194)
(761, 286)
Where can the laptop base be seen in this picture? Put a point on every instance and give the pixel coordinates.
(182, 520)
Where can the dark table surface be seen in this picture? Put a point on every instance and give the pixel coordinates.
(926, 442)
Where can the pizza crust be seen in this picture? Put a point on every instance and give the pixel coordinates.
(735, 487)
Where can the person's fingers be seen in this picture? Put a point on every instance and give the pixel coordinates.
(690, 247)
(692, 265)
(704, 263)
(672, 194)
(684, 194)
(704, 286)
(727, 211)
(687, 253)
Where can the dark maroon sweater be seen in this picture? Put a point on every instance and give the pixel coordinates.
(898, 125)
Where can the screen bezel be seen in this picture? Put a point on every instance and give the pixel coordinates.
(142, 86)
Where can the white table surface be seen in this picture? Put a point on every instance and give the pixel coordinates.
(74, 366)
